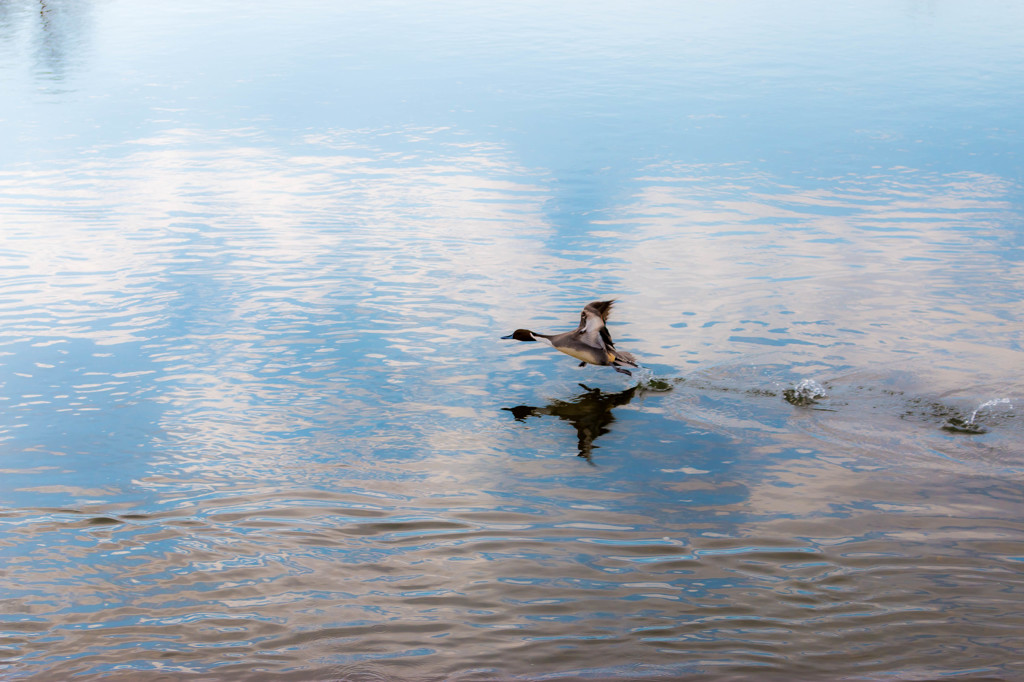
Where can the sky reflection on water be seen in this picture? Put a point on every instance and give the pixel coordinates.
(257, 420)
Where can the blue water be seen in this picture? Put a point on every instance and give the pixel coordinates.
(256, 420)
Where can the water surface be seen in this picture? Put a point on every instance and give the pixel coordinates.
(256, 421)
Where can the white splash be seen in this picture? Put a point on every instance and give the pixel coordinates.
(810, 389)
(986, 405)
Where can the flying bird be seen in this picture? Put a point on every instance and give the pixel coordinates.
(589, 343)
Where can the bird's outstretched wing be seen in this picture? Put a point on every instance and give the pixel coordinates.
(592, 321)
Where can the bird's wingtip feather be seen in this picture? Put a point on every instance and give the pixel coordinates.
(602, 308)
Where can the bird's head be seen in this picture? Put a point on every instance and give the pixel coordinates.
(521, 335)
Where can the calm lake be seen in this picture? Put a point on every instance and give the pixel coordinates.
(257, 421)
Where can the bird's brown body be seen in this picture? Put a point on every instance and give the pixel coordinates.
(590, 342)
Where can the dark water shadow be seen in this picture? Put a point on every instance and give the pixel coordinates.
(590, 413)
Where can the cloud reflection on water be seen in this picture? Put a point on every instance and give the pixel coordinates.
(231, 267)
(296, 363)
(252, 294)
(898, 266)
(251, 390)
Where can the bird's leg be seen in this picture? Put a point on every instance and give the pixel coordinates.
(623, 371)
(582, 364)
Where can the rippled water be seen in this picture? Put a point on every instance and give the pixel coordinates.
(256, 421)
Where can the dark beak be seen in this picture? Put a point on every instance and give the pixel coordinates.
(510, 336)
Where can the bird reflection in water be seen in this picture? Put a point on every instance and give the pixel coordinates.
(590, 412)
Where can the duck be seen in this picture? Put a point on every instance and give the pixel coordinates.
(590, 342)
